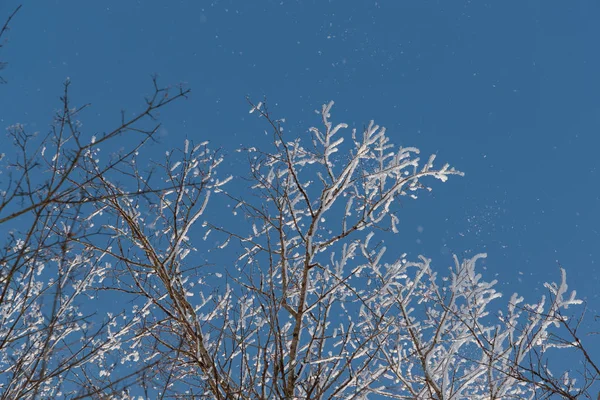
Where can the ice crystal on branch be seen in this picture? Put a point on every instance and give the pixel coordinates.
(306, 301)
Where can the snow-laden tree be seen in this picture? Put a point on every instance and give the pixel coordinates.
(56, 256)
(105, 292)
(321, 313)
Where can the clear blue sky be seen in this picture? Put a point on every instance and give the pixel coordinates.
(506, 91)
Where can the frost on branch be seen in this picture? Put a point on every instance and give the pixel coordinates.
(334, 317)
(311, 299)
(448, 341)
(366, 176)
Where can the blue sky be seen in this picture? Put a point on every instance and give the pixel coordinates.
(507, 92)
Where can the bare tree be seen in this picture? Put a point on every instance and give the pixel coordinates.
(55, 259)
(323, 313)
(3, 32)
(105, 291)
(310, 307)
